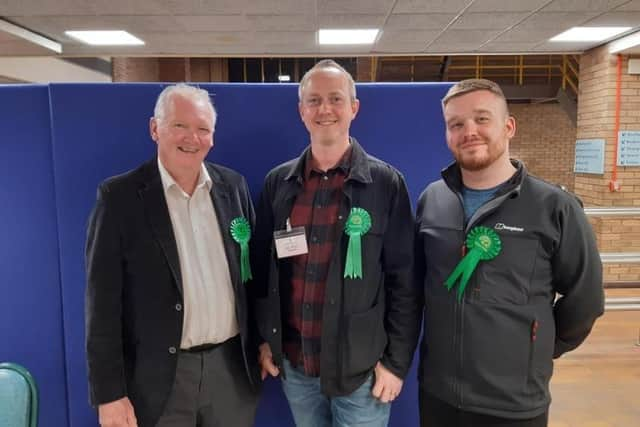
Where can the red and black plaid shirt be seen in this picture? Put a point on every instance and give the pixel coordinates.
(315, 208)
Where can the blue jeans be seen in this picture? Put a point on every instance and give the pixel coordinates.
(311, 408)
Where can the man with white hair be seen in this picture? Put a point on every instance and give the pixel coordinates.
(168, 341)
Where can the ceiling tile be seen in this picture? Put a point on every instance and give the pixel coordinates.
(281, 23)
(283, 37)
(433, 6)
(473, 37)
(446, 48)
(506, 6)
(419, 21)
(583, 5)
(564, 46)
(633, 5)
(507, 47)
(521, 35)
(627, 19)
(409, 36)
(278, 7)
(555, 21)
(487, 21)
(350, 21)
(331, 7)
(212, 23)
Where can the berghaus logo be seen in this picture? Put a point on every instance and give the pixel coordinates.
(501, 226)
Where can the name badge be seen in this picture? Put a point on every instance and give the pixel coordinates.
(290, 242)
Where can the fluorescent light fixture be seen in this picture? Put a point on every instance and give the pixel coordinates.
(588, 34)
(30, 36)
(625, 42)
(367, 36)
(105, 38)
(284, 78)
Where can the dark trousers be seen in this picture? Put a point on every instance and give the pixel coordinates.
(211, 389)
(436, 413)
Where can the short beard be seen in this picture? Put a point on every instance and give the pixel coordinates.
(475, 164)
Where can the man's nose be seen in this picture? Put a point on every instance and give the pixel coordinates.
(324, 106)
(470, 128)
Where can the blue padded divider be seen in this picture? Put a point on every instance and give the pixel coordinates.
(31, 327)
(101, 130)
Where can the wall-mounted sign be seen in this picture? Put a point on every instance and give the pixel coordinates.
(589, 156)
(629, 148)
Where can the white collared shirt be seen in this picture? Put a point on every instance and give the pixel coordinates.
(209, 301)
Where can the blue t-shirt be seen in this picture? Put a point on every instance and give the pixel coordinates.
(473, 199)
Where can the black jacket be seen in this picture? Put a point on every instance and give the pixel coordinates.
(492, 352)
(364, 320)
(133, 304)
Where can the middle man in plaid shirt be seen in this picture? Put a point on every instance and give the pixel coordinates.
(333, 253)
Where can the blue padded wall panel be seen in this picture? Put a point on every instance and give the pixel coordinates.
(31, 327)
(102, 130)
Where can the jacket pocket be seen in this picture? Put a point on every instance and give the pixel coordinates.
(506, 279)
(497, 351)
(366, 340)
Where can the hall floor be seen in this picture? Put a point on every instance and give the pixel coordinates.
(598, 385)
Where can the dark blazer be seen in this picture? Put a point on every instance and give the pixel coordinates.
(364, 320)
(134, 306)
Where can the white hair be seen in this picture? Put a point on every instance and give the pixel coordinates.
(192, 93)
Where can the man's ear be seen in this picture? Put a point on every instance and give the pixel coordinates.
(510, 126)
(355, 107)
(153, 128)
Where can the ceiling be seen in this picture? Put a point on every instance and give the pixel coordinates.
(288, 27)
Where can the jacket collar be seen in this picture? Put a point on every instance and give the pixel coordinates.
(359, 171)
(453, 178)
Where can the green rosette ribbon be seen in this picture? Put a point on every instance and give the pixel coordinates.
(241, 233)
(483, 244)
(358, 223)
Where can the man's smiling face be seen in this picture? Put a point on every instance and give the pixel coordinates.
(184, 135)
(326, 106)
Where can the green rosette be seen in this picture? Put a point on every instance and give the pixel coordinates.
(484, 245)
(358, 223)
(241, 233)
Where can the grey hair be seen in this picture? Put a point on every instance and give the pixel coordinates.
(192, 93)
(323, 65)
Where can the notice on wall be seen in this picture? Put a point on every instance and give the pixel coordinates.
(589, 156)
(629, 148)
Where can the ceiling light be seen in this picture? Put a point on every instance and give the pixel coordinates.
(347, 36)
(588, 34)
(105, 38)
(30, 36)
(284, 78)
(625, 42)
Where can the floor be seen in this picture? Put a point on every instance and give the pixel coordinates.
(598, 385)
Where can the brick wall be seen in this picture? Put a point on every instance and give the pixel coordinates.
(545, 141)
(135, 69)
(170, 70)
(596, 119)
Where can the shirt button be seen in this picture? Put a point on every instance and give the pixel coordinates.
(274, 290)
(332, 301)
(307, 306)
(172, 350)
(274, 330)
(178, 307)
(325, 177)
(314, 238)
(339, 216)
